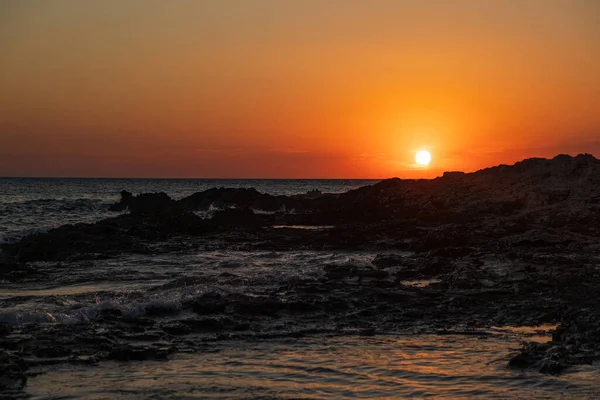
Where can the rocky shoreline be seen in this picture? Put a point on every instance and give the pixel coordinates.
(505, 246)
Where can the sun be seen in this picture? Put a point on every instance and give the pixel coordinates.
(423, 157)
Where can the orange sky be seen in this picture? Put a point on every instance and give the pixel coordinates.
(311, 88)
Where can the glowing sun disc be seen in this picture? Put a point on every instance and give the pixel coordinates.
(423, 157)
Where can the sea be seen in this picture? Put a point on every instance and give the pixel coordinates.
(30, 205)
(385, 366)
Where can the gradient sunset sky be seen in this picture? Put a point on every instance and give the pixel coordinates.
(282, 88)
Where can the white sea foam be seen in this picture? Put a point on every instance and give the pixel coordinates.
(209, 213)
(79, 312)
(112, 285)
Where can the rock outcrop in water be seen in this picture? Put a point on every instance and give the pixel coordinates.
(508, 245)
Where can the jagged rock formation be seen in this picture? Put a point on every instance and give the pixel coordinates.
(542, 216)
(534, 202)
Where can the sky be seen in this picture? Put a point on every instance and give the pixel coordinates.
(294, 89)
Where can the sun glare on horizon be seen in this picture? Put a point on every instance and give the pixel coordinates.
(423, 157)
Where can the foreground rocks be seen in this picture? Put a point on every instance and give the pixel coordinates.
(510, 245)
(575, 341)
(419, 294)
(12, 372)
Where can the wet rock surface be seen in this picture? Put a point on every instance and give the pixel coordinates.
(507, 246)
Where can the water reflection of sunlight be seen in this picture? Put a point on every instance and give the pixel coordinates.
(377, 367)
(539, 334)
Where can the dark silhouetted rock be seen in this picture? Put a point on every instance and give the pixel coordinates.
(237, 217)
(12, 371)
(124, 203)
(209, 303)
(504, 246)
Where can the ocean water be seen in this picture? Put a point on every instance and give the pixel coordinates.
(29, 205)
(384, 367)
(390, 365)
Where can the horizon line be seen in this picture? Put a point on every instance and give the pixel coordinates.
(182, 178)
(314, 179)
